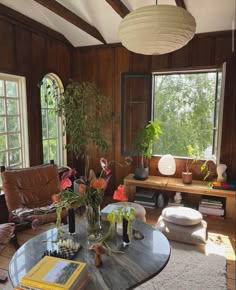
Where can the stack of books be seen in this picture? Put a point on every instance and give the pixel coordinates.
(146, 197)
(212, 207)
(55, 274)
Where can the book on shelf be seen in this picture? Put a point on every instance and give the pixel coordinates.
(146, 192)
(212, 216)
(52, 273)
(211, 205)
(146, 197)
(213, 211)
(211, 201)
(143, 198)
(146, 203)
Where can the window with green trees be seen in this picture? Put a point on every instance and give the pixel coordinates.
(188, 107)
(52, 135)
(13, 122)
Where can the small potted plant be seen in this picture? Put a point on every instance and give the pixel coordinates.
(146, 137)
(194, 154)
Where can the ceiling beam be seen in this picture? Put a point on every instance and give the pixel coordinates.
(71, 17)
(180, 3)
(119, 7)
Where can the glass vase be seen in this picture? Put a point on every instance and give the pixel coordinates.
(93, 221)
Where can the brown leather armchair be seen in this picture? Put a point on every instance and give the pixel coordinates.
(30, 189)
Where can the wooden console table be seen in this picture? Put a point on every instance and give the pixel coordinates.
(176, 184)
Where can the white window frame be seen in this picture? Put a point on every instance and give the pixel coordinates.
(23, 120)
(62, 156)
(215, 157)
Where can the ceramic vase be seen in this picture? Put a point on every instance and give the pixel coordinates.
(141, 173)
(221, 174)
(125, 235)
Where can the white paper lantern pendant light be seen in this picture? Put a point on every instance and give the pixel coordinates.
(157, 29)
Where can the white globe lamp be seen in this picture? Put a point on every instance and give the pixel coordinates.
(166, 165)
(156, 29)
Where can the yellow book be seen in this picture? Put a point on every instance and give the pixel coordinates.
(52, 273)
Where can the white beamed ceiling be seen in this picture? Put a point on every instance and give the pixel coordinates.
(210, 15)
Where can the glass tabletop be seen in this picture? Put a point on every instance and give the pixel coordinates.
(139, 262)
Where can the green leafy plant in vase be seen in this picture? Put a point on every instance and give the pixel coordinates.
(194, 158)
(145, 139)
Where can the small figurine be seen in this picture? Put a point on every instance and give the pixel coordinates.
(221, 174)
(99, 250)
(178, 197)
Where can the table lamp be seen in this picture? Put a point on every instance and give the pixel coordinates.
(166, 165)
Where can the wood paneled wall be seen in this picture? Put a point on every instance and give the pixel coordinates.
(32, 50)
(29, 49)
(104, 65)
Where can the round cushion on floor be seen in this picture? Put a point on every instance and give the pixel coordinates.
(180, 215)
(196, 234)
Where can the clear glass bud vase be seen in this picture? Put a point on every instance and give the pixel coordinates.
(93, 221)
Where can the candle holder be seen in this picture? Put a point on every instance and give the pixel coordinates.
(71, 215)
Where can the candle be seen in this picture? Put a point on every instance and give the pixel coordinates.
(71, 214)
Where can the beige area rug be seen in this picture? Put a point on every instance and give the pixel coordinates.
(191, 268)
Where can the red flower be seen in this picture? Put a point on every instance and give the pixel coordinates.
(98, 183)
(107, 171)
(120, 194)
(66, 182)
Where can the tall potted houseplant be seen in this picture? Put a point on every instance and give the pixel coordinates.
(85, 111)
(146, 137)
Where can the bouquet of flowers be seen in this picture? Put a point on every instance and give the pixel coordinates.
(90, 193)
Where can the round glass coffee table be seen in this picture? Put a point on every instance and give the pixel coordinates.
(141, 260)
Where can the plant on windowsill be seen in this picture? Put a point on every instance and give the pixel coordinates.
(194, 157)
(145, 139)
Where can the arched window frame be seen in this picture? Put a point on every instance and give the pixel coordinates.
(58, 87)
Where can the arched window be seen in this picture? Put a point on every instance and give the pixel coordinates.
(52, 134)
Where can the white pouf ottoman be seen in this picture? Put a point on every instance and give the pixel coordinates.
(183, 224)
(140, 211)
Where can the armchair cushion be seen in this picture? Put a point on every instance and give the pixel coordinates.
(30, 187)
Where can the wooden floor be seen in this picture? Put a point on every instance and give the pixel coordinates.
(219, 231)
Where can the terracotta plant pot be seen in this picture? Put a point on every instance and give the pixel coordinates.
(187, 177)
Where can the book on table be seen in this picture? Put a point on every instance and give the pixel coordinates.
(52, 273)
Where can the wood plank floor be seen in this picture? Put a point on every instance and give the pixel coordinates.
(219, 231)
